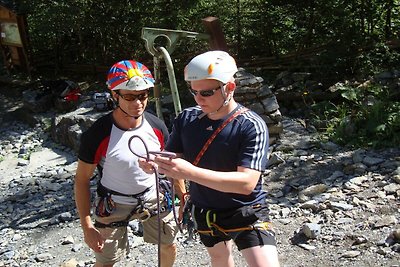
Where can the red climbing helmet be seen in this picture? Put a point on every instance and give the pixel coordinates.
(129, 75)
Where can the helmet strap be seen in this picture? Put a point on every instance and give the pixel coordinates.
(227, 98)
(126, 113)
(129, 115)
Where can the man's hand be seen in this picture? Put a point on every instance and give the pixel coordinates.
(177, 168)
(147, 166)
(94, 239)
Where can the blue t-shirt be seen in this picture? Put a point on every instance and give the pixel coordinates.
(242, 142)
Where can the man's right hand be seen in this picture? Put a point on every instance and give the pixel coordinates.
(147, 166)
(94, 239)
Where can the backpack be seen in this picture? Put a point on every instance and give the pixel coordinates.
(103, 101)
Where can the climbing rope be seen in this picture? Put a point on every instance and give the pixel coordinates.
(147, 158)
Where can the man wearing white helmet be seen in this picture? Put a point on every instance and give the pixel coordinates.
(222, 149)
(124, 191)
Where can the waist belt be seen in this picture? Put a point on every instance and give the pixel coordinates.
(143, 212)
(111, 225)
(143, 215)
(216, 230)
(246, 218)
(103, 191)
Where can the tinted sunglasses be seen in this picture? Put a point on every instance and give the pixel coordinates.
(132, 97)
(205, 93)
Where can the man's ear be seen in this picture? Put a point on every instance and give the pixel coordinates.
(231, 86)
(114, 97)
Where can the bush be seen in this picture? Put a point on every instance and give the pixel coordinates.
(368, 117)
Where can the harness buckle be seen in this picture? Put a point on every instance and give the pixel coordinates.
(144, 215)
(217, 231)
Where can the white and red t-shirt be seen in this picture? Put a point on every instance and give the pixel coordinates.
(106, 145)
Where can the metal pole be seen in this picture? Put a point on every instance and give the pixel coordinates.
(172, 80)
(172, 37)
(157, 87)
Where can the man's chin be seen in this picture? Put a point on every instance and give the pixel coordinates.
(205, 109)
(137, 113)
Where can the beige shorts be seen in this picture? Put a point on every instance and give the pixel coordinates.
(116, 239)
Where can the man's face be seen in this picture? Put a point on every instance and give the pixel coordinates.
(133, 102)
(207, 94)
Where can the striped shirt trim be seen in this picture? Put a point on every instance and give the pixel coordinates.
(261, 140)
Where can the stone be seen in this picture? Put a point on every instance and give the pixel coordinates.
(314, 190)
(70, 263)
(311, 230)
(351, 254)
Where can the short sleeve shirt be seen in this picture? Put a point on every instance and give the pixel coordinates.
(107, 145)
(242, 142)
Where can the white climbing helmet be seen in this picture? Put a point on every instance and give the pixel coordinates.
(216, 65)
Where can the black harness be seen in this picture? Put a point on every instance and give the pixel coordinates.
(106, 206)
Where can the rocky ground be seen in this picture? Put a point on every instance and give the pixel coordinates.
(331, 206)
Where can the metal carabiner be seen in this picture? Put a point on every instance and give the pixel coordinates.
(144, 215)
(214, 218)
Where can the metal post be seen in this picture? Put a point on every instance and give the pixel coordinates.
(157, 87)
(172, 37)
(172, 80)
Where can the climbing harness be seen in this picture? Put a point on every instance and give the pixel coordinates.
(106, 205)
(216, 230)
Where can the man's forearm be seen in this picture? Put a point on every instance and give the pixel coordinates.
(82, 200)
(180, 187)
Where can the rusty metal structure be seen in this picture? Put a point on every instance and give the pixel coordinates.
(214, 36)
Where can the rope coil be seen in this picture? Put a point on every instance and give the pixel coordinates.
(147, 158)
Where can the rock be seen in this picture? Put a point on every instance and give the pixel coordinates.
(68, 240)
(382, 221)
(396, 235)
(314, 190)
(340, 206)
(311, 230)
(43, 257)
(351, 254)
(371, 161)
(396, 178)
(306, 246)
(70, 263)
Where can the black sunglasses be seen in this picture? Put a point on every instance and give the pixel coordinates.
(205, 93)
(132, 97)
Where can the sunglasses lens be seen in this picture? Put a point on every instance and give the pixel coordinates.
(204, 93)
(141, 97)
(130, 97)
(207, 93)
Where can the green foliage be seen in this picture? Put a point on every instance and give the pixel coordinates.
(378, 59)
(369, 117)
(89, 31)
(351, 37)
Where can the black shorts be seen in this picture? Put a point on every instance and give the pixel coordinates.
(231, 219)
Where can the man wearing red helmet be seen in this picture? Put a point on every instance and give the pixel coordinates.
(222, 148)
(124, 192)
